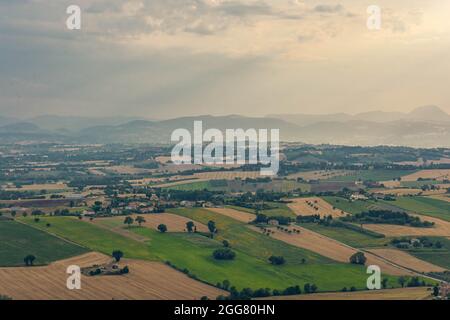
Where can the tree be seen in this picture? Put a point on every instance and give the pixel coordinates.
(162, 228)
(436, 290)
(402, 281)
(225, 284)
(140, 220)
(190, 226)
(13, 214)
(384, 283)
(224, 254)
(307, 288)
(129, 221)
(29, 260)
(358, 258)
(117, 255)
(212, 227)
(277, 260)
(226, 244)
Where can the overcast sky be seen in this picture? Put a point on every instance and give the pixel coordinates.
(170, 58)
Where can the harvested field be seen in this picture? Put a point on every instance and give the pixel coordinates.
(399, 192)
(178, 183)
(330, 248)
(127, 170)
(174, 223)
(227, 175)
(39, 187)
(406, 260)
(96, 171)
(391, 184)
(421, 293)
(431, 174)
(163, 159)
(174, 168)
(441, 228)
(319, 174)
(442, 197)
(313, 206)
(235, 214)
(146, 280)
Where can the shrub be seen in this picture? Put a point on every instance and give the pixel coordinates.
(224, 254)
(277, 260)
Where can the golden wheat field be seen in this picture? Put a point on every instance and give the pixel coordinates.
(406, 260)
(146, 280)
(319, 174)
(235, 214)
(227, 175)
(38, 187)
(421, 293)
(313, 206)
(430, 174)
(441, 228)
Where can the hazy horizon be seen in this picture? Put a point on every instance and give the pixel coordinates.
(164, 59)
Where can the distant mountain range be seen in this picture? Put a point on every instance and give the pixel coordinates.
(426, 126)
(425, 114)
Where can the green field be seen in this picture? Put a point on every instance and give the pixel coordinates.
(373, 175)
(422, 205)
(440, 257)
(317, 269)
(352, 207)
(191, 186)
(92, 237)
(18, 240)
(418, 184)
(194, 252)
(350, 237)
(279, 209)
(242, 186)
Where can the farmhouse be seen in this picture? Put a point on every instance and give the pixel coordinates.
(357, 196)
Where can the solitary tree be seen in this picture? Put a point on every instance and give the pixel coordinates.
(226, 244)
(162, 228)
(140, 220)
(358, 258)
(212, 227)
(129, 221)
(117, 255)
(190, 226)
(29, 260)
(277, 260)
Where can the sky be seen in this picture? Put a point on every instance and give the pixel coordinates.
(170, 58)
